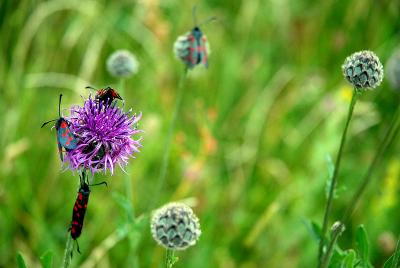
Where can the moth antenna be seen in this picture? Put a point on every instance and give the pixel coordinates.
(59, 106)
(194, 15)
(91, 88)
(45, 123)
(210, 19)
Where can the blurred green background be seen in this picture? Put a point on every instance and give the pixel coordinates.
(250, 147)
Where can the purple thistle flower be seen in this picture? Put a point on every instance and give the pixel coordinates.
(104, 133)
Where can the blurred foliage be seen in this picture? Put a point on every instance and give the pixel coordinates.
(253, 134)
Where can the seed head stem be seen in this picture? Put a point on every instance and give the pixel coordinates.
(333, 183)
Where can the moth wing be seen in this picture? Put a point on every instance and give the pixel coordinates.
(65, 137)
(193, 54)
(72, 141)
(203, 51)
(60, 151)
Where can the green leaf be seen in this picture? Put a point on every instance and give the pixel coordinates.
(124, 203)
(337, 257)
(394, 260)
(20, 260)
(314, 229)
(362, 245)
(349, 260)
(47, 259)
(389, 262)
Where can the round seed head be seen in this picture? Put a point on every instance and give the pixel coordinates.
(174, 226)
(122, 63)
(393, 70)
(363, 70)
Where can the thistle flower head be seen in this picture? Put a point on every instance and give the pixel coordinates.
(363, 70)
(105, 136)
(175, 226)
(122, 64)
(393, 70)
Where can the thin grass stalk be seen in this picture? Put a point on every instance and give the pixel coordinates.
(127, 178)
(391, 133)
(69, 247)
(332, 186)
(129, 197)
(167, 145)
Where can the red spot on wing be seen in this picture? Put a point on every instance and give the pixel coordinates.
(64, 124)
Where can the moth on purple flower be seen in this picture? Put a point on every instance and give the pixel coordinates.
(80, 207)
(105, 136)
(65, 137)
(107, 95)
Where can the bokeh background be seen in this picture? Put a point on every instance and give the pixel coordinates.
(250, 148)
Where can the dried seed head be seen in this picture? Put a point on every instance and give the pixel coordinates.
(174, 226)
(363, 70)
(122, 63)
(393, 70)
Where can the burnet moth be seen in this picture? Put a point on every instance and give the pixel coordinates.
(106, 95)
(198, 48)
(65, 138)
(80, 206)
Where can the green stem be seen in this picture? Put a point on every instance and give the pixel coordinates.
(390, 135)
(129, 196)
(332, 186)
(167, 145)
(170, 258)
(127, 178)
(68, 252)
